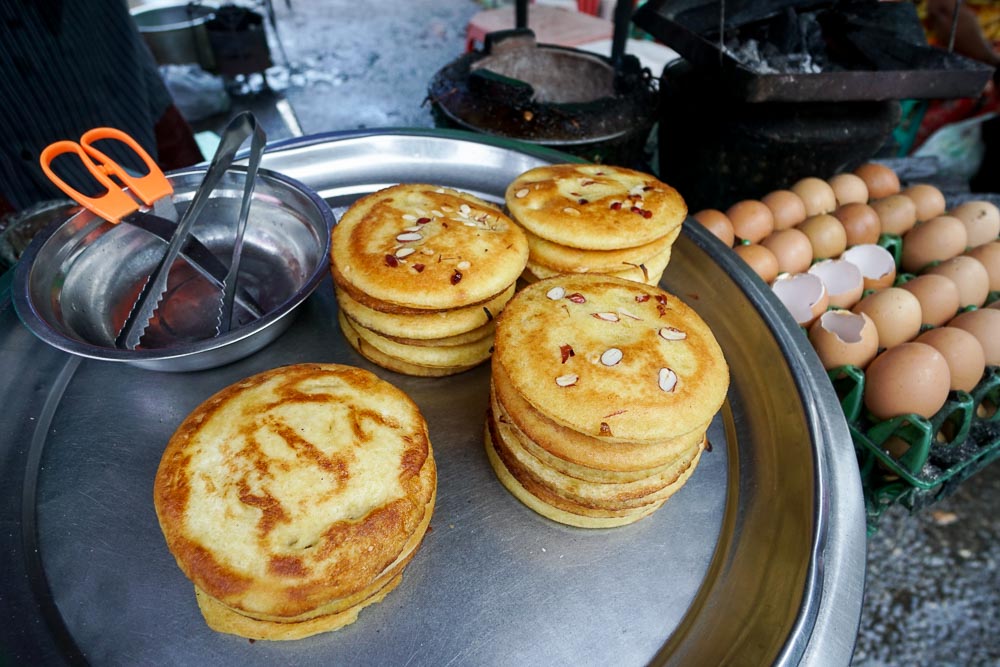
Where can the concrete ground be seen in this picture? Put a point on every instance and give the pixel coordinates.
(933, 587)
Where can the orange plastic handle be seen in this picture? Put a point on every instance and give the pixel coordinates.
(148, 188)
(113, 205)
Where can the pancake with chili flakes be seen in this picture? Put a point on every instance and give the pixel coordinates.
(424, 325)
(440, 360)
(426, 247)
(579, 348)
(296, 494)
(594, 207)
(648, 272)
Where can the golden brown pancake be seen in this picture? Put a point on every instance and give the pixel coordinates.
(594, 207)
(611, 358)
(295, 489)
(376, 356)
(648, 272)
(564, 259)
(426, 247)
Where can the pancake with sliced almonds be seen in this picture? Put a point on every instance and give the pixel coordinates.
(648, 272)
(564, 259)
(426, 325)
(612, 359)
(293, 491)
(426, 247)
(594, 207)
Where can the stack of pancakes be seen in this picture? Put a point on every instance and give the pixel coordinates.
(295, 498)
(602, 392)
(587, 218)
(420, 272)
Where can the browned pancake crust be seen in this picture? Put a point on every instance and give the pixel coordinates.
(594, 207)
(424, 246)
(349, 553)
(564, 259)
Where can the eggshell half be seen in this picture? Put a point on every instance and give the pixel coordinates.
(842, 338)
(803, 295)
(878, 267)
(843, 281)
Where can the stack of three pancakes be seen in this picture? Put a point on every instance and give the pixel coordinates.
(602, 392)
(420, 274)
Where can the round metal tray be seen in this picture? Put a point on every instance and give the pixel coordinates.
(758, 559)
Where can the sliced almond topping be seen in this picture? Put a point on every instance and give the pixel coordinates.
(464, 209)
(628, 314)
(446, 208)
(440, 191)
(556, 293)
(427, 251)
(667, 379)
(576, 297)
(670, 333)
(569, 210)
(409, 218)
(463, 265)
(522, 193)
(637, 190)
(437, 214)
(607, 317)
(611, 356)
(409, 236)
(414, 228)
(567, 380)
(469, 224)
(404, 252)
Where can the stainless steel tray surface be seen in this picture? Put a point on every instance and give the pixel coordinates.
(759, 559)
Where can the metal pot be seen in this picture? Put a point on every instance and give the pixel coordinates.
(176, 32)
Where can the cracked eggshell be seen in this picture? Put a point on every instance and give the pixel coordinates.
(909, 378)
(936, 240)
(843, 281)
(878, 267)
(761, 260)
(896, 314)
(752, 220)
(981, 220)
(938, 297)
(786, 207)
(989, 256)
(969, 275)
(861, 223)
(791, 248)
(896, 213)
(816, 194)
(849, 189)
(842, 338)
(718, 223)
(928, 199)
(963, 352)
(881, 180)
(984, 325)
(803, 294)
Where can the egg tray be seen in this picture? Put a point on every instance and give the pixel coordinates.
(914, 461)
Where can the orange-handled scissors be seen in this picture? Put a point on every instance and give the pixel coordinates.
(114, 204)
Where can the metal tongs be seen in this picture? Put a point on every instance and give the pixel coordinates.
(241, 127)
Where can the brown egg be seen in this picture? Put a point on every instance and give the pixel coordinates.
(896, 314)
(881, 180)
(718, 223)
(938, 297)
(787, 208)
(761, 260)
(816, 194)
(965, 356)
(909, 378)
(878, 267)
(849, 189)
(842, 338)
(969, 275)
(896, 213)
(936, 240)
(984, 325)
(803, 294)
(860, 222)
(981, 220)
(843, 281)
(752, 220)
(989, 256)
(928, 200)
(791, 248)
(995, 304)
(826, 235)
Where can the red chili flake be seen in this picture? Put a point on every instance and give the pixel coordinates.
(566, 351)
(456, 277)
(445, 225)
(647, 214)
(616, 206)
(661, 309)
(661, 299)
(605, 429)
(581, 201)
(390, 260)
(423, 221)
(419, 268)
(642, 298)
(576, 297)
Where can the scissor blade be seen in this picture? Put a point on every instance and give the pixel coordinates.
(197, 255)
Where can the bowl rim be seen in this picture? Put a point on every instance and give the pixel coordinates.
(29, 315)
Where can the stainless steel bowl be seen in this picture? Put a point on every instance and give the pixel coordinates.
(77, 281)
